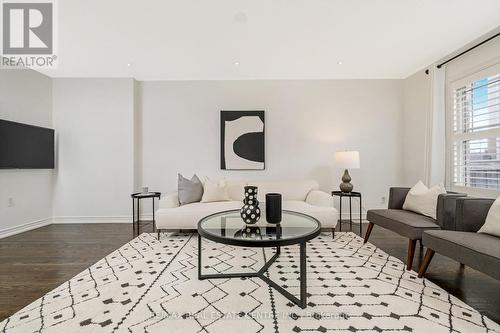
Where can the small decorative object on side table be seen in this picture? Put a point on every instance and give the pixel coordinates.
(137, 197)
(350, 195)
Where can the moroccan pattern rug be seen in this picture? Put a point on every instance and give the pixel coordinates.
(151, 286)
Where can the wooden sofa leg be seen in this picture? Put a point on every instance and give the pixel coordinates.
(368, 232)
(333, 232)
(158, 230)
(427, 260)
(411, 253)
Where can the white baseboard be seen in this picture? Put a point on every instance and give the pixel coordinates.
(355, 217)
(103, 219)
(91, 219)
(24, 227)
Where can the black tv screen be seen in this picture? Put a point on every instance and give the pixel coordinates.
(25, 146)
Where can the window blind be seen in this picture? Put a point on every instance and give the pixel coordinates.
(476, 131)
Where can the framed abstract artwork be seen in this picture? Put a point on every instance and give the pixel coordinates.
(242, 140)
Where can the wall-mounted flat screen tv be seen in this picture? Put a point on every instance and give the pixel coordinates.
(25, 146)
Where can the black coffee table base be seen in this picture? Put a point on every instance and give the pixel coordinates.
(301, 302)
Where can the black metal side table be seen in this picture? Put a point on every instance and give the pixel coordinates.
(350, 195)
(137, 197)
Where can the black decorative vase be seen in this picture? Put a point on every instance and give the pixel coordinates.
(250, 212)
(273, 207)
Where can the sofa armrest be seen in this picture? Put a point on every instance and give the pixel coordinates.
(319, 198)
(446, 210)
(471, 213)
(397, 196)
(169, 201)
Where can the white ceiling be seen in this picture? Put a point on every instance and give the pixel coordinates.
(270, 39)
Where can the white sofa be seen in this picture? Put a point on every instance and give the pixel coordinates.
(299, 196)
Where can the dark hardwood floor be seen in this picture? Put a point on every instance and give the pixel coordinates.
(37, 261)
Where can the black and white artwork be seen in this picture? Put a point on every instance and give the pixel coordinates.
(242, 140)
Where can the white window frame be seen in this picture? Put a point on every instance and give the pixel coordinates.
(451, 137)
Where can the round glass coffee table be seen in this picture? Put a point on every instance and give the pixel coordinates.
(228, 228)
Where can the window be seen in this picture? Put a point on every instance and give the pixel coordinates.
(475, 135)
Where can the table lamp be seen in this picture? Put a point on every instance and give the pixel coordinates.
(346, 160)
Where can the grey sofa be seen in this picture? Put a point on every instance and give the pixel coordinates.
(409, 224)
(465, 245)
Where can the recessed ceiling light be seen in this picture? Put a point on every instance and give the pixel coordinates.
(236, 63)
(340, 62)
(129, 64)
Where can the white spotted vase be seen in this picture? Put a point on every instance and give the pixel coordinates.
(250, 212)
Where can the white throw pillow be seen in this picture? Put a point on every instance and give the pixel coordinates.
(492, 224)
(214, 191)
(423, 200)
(236, 189)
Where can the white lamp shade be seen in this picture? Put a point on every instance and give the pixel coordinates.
(347, 159)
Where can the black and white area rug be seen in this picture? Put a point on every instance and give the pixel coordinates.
(152, 286)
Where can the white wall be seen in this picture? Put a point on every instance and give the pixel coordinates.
(306, 122)
(137, 138)
(94, 119)
(25, 96)
(116, 135)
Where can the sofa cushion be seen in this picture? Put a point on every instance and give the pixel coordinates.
(492, 224)
(423, 200)
(479, 251)
(327, 216)
(189, 190)
(236, 189)
(187, 216)
(214, 191)
(319, 198)
(403, 222)
(289, 190)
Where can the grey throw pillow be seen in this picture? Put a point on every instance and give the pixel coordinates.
(189, 190)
